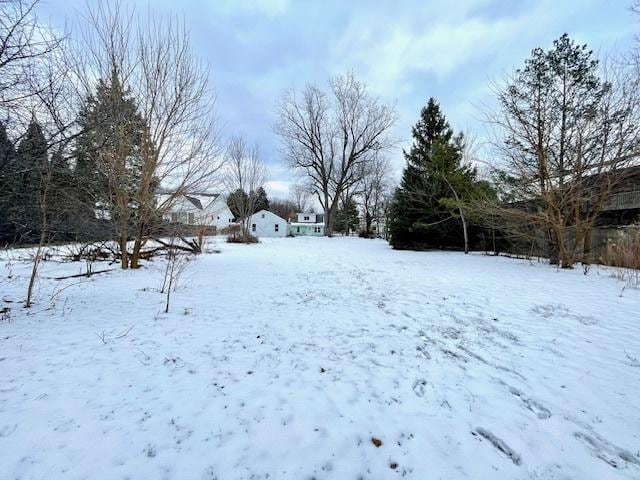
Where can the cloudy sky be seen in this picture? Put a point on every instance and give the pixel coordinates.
(405, 50)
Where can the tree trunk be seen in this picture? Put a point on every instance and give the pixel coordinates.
(124, 256)
(137, 246)
(34, 270)
(464, 231)
(328, 222)
(586, 253)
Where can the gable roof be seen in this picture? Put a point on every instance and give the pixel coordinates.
(195, 201)
(260, 212)
(200, 200)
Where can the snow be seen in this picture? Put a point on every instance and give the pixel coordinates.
(285, 359)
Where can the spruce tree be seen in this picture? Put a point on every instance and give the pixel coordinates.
(420, 213)
(347, 217)
(107, 153)
(261, 200)
(32, 165)
(61, 199)
(237, 203)
(7, 182)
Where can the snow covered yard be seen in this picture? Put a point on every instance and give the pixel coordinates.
(327, 359)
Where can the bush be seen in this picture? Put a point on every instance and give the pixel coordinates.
(242, 239)
(624, 253)
(233, 229)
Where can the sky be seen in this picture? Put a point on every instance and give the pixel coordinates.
(404, 50)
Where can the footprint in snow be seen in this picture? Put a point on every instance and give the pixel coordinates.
(419, 387)
(615, 456)
(536, 407)
(499, 444)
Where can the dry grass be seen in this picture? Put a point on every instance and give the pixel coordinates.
(624, 253)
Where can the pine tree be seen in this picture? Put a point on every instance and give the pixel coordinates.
(261, 200)
(421, 211)
(7, 182)
(108, 162)
(32, 165)
(347, 217)
(61, 199)
(236, 201)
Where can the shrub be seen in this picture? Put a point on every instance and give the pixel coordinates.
(624, 253)
(242, 239)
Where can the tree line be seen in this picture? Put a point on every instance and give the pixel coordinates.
(566, 137)
(94, 124)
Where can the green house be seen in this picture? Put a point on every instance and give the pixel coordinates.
(307, 224)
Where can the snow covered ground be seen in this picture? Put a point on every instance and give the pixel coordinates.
(315, 358)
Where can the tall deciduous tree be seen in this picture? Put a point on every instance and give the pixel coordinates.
(373, 188)
(153, 59)
(109, 156)
(25, 42)
(330, 136)
(246, 172)
(569, 128)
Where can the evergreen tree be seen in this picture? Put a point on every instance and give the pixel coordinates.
(236, 201)
(347, 217)
(61, 199)
(261, 200)
(31, 173)
(422, 210)
(107, 154)
(7, 182)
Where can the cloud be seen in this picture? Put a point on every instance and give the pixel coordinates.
(271, 8)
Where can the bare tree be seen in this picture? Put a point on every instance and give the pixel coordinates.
(300, 195)
(25, 41)
(177, 262)
(374, 187)
(246, 173)
(42, 68)
(179, 149)
(569, 129)
(330, 136)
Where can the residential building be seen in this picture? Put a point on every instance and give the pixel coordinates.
(203, 209)
(267, 224)
(307, 224)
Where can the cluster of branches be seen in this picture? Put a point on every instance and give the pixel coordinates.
(244, 180)
(123, 105)
(568, 131)
(333, 137)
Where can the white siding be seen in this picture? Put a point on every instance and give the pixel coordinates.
(219, 214)
(267, 224)
(307, 217)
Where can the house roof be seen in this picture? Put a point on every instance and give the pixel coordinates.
(200, 200)
(260, 212)
(195, 201)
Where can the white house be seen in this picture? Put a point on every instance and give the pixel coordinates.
(267, 224)
(311, 224)
(204, 209)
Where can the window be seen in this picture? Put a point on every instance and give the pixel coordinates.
(297, 229)
(306, 218)
(277, 227)
(174, 217)
(263, 215)
(253, 227)
(192, 218)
